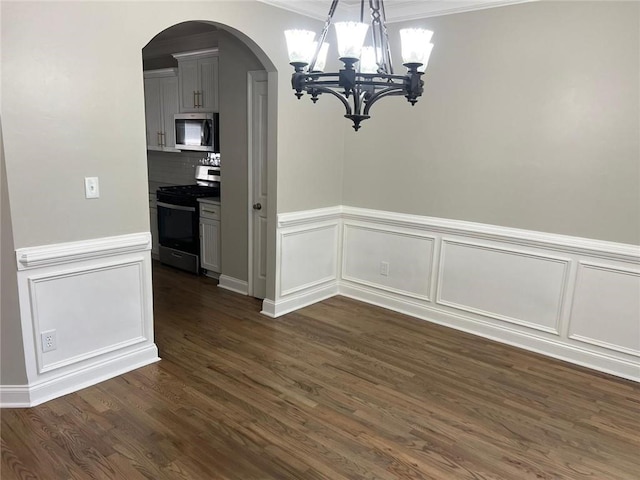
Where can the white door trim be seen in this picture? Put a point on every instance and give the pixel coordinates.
(252, 76)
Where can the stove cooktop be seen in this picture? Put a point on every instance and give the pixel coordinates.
(192, 190)
(186, 194)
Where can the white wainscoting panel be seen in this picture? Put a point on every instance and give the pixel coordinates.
(307, 257)
(506, 284)
(606, 307)
(79, 304)
(571, 298)
(408, 255)
(97, 296)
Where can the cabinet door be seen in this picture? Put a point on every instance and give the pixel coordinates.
(188, 80)
(210, 244)
(208, 76)
(152, 103)
(169, 108)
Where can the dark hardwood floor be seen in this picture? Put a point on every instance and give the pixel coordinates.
(339, 390)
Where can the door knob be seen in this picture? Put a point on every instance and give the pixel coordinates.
(257, 206)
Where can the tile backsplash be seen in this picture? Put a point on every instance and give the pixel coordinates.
(173, 168)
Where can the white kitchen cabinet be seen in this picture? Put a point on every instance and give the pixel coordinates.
(153, 220)
(161, 104)
(210, 252)
(198, 80)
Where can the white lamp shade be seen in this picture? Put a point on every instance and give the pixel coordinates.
(350, 38)
(321, 61)
(423, 67)
(368, 63)
(299, 45)
(415, 45)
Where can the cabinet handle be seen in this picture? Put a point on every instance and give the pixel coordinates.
(199, 99)
(159, 139)
(163, 139)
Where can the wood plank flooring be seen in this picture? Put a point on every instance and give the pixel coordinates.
(339, 390)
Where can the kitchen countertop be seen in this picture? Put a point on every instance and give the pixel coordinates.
(210, 200)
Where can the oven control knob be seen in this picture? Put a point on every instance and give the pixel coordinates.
(257, 206)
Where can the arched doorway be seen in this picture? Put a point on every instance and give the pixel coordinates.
(237, 56)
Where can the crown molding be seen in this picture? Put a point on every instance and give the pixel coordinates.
(396, 10)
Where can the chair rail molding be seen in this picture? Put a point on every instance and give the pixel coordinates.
(42, 256)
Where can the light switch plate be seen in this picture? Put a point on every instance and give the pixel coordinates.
(91, 187)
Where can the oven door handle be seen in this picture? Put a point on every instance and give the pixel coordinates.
(176, 207)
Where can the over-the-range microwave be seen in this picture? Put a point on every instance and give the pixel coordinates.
(197, 131)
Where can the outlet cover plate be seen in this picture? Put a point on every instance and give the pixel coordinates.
(91, 187)
(49, 341)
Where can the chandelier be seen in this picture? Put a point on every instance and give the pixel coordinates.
(367, 75)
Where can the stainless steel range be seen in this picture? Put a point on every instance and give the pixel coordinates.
(178, 218)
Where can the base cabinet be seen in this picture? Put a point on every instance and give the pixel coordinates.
(210, 252)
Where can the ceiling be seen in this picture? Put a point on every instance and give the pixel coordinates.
(183, 30)
(396, 10)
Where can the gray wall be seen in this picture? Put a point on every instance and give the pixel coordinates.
(529, 119)
(85, 100)
(12, 366)
(235, 61)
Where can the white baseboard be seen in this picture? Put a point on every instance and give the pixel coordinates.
(298, 300)
(15, 396)
(233, 284)
(214, 275)
(503, 334)
(43, 391)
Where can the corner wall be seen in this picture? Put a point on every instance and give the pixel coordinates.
(571, 298)
(235, 61)
(85, 99)
(12, 360)
(530, 118)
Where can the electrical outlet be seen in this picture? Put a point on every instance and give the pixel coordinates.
(49, 340)
(384, 268)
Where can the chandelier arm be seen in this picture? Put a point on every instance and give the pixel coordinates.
(372, 83)
(310, 77)
(335, 84)
(381, 76)
(381, 94)
(344, 101)
(368, 80)
(323, 34)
